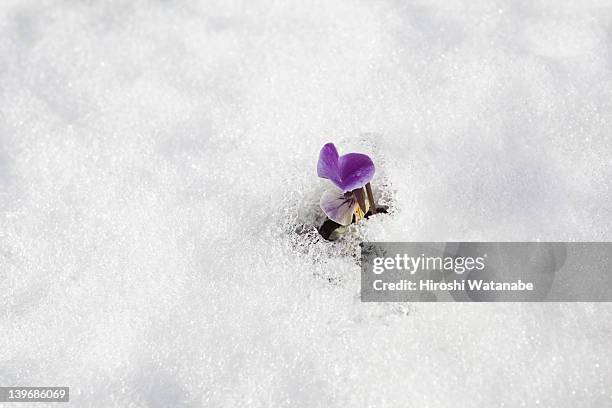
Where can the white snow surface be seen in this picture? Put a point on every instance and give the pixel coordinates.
(158, 196)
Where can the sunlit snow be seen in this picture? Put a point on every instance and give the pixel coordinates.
(158, 197)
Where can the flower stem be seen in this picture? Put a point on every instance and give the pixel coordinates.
(360, 196)
(371, 198)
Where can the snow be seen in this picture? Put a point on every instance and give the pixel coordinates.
(158, 195)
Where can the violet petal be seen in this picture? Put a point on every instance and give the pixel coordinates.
(327, 167)
(338, 206)
(356, 170)
(348, 172)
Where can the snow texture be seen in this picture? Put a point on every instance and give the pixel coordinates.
(158, 197)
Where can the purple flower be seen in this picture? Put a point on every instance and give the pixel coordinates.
(350, 173)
